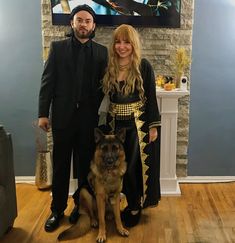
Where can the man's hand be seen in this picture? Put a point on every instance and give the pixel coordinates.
(152, 134)
(44, 123)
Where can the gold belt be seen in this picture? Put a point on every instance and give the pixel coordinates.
(125, 111)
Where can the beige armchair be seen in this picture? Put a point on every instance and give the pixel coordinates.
(8, 206)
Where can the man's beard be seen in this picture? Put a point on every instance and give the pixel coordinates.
(83, 35)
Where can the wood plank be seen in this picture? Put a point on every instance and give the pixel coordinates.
(205, 213)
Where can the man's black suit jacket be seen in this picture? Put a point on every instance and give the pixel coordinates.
(58, 86)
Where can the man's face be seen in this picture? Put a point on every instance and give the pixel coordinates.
(83, 25)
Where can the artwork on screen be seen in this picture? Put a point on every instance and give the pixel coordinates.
(145, 13)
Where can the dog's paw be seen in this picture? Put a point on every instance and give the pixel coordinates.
(94, 223)
(101, 238)
(123, 232)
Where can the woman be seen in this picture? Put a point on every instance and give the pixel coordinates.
(129, 85)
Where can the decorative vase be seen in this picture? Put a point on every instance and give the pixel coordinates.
(43, 174)
(177, 79)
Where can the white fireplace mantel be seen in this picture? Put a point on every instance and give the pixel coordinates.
(168, 106)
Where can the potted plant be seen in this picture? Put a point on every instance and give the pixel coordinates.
(181, 63)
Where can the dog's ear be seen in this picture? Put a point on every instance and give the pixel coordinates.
(121, 134)
(98, 135)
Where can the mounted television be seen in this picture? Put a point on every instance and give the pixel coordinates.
(139, 13)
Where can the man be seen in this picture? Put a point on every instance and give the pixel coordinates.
(71, 87)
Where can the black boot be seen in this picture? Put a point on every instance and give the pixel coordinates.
(73, 218)
(130, 217)
(53, 221)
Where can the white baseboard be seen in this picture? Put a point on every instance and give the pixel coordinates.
(205, 179)
(187, 179)
(164, 191)
(31, 180)
(25, 179)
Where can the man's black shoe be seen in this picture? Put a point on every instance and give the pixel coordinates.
(53, 221)
(73, 218)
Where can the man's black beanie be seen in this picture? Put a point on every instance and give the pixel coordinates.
(83, 7)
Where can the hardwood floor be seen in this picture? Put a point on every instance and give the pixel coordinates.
(205, 213)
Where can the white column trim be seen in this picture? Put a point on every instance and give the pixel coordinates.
(168, 106)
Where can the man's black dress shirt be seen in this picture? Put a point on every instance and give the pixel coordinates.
(82, 59)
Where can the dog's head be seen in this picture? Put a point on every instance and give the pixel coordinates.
(109, 148)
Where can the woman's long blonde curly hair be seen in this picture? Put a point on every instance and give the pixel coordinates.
(134, 79)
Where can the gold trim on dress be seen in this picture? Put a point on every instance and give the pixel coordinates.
(125, 111)
(154, 124)
(143, 155)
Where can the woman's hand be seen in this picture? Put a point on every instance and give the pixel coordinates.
(152, 134)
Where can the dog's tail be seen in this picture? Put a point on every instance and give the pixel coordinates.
(79, 229)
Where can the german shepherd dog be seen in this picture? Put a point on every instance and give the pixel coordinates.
(105, 180)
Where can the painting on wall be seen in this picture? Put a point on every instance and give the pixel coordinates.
(145, 13)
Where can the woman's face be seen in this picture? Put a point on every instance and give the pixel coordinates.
(123, 48)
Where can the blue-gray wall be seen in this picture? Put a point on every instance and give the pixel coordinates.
(20, 71)
(212, 111)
